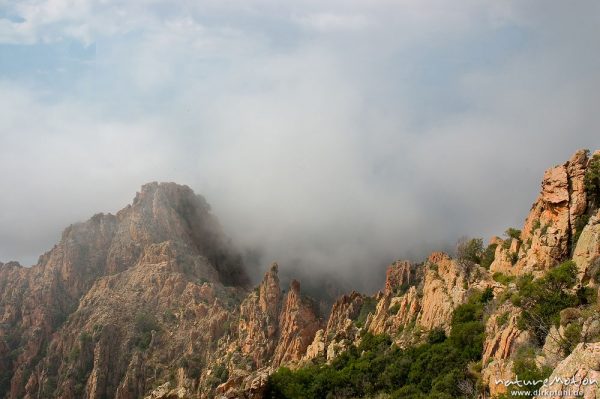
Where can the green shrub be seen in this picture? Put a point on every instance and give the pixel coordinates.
(594, 271)
(169, 316)
(511, 232)
(535, 225)
(394, 309)
(571, 337)
(221, 373)
(592, 178)
(470, 250)
(482, 297)
(502, 319)
(542, 300)
(587, 295)
(144, 324)
(194, 364)
(376, 367)
(369, 305)
(503, 278)
(488, 256)
(436, 336)
(525, 367)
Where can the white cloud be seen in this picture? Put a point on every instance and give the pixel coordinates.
(334, 22)
(344, 134)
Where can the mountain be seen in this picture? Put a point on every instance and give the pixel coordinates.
(154, 302)
(85, 319)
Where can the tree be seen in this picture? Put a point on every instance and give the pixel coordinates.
(511, 232)
(470, 249)
(488, 256)
(542, 300)
(592, 178)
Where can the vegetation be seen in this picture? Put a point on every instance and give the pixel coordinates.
(219, 374)
(542, 300)
(592, 178)
(12, 340)
(502, 319)
(193, 364)
(525, 367)
(169, 316)
(145, 323)
(594, 271)
(535, 225)
(82, 359)
(435, 369)
(503, 278)
(367, 307)
(436, 336)
(488, 256)
(511, 232)
(394, 309)
(470, 249)
(571, 337)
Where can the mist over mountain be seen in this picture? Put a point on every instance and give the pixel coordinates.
(332, 137)
(156, 301)
(334, 199)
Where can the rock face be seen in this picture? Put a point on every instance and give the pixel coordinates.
(502, 334)
(341, 328)
(445, 287)
(580, 368)
(298, 324)
(398, 305)
(439, 286)
(556, 229)
(273, 329)
(547, 236)
(502, 339)
(399, 276)
(71, 319)
(587, 252)
(258, 327)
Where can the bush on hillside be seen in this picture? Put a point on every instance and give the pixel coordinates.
(435, 369)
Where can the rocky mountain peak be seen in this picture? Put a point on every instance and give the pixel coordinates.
(399, 276)
(148, 258)
(172, 212)
(554, 223)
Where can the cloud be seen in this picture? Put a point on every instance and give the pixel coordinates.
(332, 137)
(334, 22)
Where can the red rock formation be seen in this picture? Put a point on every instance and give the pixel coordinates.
(258, 327)
(587, 252)
(579, 369)
(347, 307)
(399, 276)
(298, 324)
(503, 336)
(547, 234)
(149, 257)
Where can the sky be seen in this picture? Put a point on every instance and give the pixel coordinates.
(331, 136)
